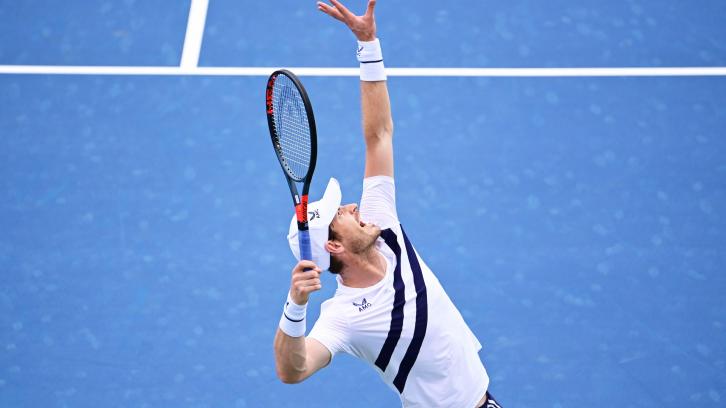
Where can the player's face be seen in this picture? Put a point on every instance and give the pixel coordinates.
(356, 235)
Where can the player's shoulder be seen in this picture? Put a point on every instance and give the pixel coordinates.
(332, 310)
(332, 305)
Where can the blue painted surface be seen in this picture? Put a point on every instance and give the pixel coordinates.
(128, 32)
(577, 223)
(559, 33)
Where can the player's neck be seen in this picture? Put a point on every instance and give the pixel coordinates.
(364, 270)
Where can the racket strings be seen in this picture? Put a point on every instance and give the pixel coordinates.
(291, 124)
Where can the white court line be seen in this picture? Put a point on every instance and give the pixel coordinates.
(195, 32)
(354, 72)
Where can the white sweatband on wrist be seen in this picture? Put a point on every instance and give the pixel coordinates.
(292, 321)
(370, 57)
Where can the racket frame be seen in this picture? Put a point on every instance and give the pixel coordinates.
(299, 200)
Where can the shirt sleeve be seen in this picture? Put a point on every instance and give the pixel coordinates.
(378, 203)
(331, 330)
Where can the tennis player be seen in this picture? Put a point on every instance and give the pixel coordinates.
(389, 309)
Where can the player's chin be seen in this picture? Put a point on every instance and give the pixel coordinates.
(375, 230)
(372, 233)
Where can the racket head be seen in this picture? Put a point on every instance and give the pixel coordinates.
(292, 126)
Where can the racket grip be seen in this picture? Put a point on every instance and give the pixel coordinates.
(304, 240)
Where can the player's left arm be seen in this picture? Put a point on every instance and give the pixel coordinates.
(377, 128)
(375, 102)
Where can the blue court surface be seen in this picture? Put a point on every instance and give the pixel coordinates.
(578, 223)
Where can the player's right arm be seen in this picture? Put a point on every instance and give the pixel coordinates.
(297, 358)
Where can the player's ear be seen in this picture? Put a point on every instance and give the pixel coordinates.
(334, 246)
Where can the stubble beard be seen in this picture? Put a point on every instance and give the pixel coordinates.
(365, 242)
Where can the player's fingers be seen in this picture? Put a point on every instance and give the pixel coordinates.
(307, 283)
(371, 6)
(309, 289)
(345, 13)
(304, 287)
(306, 275)
(331, 11)
(305, 264)
(309, 272)
(323, 7)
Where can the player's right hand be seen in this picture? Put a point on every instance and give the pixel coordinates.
(304, 282)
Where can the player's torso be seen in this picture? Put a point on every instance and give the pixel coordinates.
(407, 328)
(400, 322)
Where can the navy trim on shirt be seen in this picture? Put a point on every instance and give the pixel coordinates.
(394, 333)
(422, 316)
(399, 300)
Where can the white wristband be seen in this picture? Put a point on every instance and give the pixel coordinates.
(370, 57)
(292, 321)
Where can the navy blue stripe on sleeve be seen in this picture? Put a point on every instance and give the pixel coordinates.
(399, 300)
(419, 331)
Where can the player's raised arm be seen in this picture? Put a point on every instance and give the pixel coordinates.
(376, 106)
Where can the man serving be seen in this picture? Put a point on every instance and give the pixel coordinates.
(389, 309)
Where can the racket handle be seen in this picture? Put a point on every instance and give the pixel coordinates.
(304, 240)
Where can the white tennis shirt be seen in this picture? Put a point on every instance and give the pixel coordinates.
(405, 326)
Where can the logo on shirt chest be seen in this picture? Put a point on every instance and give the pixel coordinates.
(363, 305)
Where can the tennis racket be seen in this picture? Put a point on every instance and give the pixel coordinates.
(292, 129)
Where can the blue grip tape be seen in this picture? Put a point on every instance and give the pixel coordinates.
(305, 251)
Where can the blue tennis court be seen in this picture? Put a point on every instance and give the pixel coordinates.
(578, 223)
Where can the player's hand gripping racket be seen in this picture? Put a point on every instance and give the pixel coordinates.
(292, 129)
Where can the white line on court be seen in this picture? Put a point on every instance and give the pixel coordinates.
(195, 32)
(354, 72)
